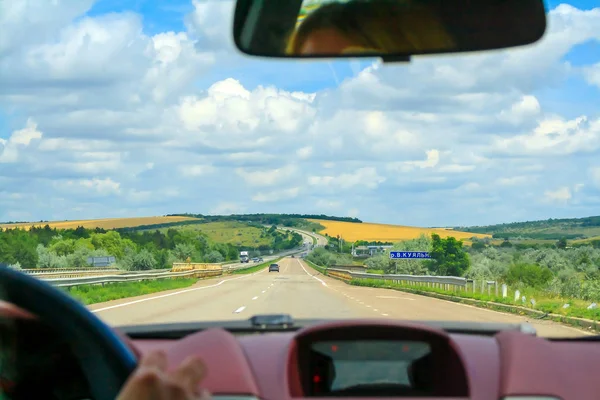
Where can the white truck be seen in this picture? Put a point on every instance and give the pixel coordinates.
(244, 256)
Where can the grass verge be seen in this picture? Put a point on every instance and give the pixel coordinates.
(315, 266)
(113, 291)
(254, 268)
(577, 308)
(576, 314)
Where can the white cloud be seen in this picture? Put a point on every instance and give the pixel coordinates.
(95, 107)
(227, 208)
(560, 195)
(18, 140)
(432, 159)
(554, 136)
(276, 195)
(329, 204)
(366, 177)
(513, 180)
(594, 173)
(91, 187)
(196, 170)
(267, 177)
(304, 152)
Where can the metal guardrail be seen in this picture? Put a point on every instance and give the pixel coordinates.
(136, 276)
(101, 280)
(435, 281)
(69, 273)
(50, 271)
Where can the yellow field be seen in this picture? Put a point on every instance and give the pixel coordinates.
(106, 223)
(352, 232)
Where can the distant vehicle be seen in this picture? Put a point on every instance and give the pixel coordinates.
(292, 256)
(255, 259)
(244, 258)
(274, 267)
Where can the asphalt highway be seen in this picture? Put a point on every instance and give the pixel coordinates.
(302, 292)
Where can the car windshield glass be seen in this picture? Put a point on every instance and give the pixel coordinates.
(140, 148)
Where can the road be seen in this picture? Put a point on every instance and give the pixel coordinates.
(240, 265)
(302, 292)
(321, 240)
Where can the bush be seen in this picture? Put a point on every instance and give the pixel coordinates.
(528, 274)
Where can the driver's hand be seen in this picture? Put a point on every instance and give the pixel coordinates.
(152, 381)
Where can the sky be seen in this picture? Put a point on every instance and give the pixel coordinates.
(115, 108)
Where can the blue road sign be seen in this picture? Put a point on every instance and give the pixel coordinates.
(409, 254)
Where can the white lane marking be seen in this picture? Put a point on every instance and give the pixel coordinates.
(239, 310)
(263, 291)
(385, 315)
(173, 294)
(320, 280)
(368, 306)
(375, 309)
(394, 297)
(255, 297)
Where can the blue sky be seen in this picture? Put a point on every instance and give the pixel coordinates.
(130, 108)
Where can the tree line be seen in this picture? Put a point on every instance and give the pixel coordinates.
(46, 247)
(290, 220)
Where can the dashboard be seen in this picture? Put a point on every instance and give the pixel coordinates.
(413, 360)
(361, 359)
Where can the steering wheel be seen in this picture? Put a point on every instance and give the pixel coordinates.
(105, 359)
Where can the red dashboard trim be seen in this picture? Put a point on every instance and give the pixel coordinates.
(228, 369)
(510, 363)
(536, 366)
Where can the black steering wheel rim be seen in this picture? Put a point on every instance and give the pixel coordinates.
(105, 359)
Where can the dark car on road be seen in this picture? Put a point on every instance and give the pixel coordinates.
(274, 267)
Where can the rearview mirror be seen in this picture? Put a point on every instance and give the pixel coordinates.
(390, 29)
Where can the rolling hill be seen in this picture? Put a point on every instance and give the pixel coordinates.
(549, 229)
(351, 231)
(106, 223)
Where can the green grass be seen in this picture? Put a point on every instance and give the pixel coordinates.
(315, 266)
(255, 268)
(581, 241)
(309, 226)
(578, 308)
(232, 232)
(375, 271)
(91, 294)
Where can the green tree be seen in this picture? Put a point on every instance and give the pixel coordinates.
(562, 243)
(143, 261)
(531, 275)
(448, 257)
(183, 250)
(214, 257)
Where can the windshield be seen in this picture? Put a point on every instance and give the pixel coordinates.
(137, 143)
